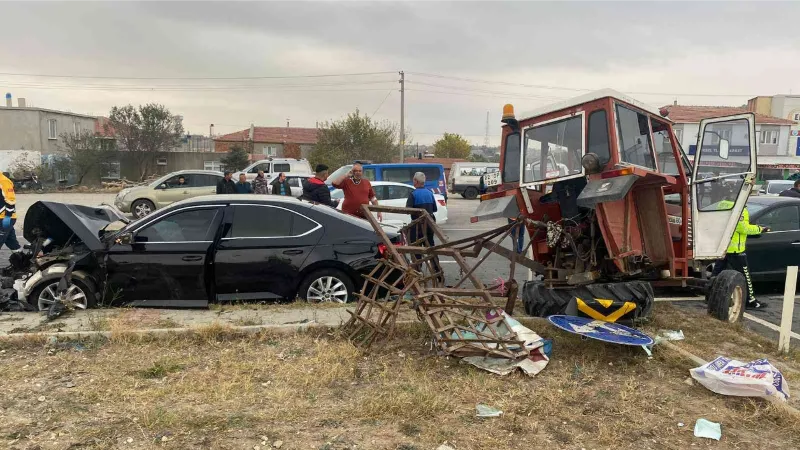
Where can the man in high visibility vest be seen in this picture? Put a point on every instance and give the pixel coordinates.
(8, 213)
(736, 258)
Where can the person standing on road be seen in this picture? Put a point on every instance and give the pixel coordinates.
(357, 191)
(226, 184)
(792, 192)
(422, 198)
(315, 189)
(281, 185)
(242, 186)
(260, 183)
(736, 258)
(8, 214)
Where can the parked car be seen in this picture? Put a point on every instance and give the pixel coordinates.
(465, 177)
(143, 200)
(399, 173)
(273, 166)
(206, 249)
(295, 182)
(775, 187)
(770, 253)
(396, 194)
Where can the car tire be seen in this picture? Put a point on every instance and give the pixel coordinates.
(326, 285)
(79, 286)
(470, 193)
(142, 207)
(726, 298)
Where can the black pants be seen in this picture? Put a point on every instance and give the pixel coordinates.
(417, 232)
(737, 262)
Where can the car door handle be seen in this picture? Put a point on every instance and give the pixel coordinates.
(293, 252)
(192, 258)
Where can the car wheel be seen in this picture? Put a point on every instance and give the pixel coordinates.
(142, 207)
(80, 294)
(470, 193)
(326, 285)
(727, 296)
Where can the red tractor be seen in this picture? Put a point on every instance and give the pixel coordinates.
(613, 206)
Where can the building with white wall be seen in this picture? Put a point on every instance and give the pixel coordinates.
(777, 158)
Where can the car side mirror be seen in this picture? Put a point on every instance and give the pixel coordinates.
(724, 147)
(125, 239)
(162, 186)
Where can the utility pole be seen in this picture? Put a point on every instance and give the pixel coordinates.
(402, 115)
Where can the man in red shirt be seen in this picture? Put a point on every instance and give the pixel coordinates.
(357, 191)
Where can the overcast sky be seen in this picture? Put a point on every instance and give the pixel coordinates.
(657, 52)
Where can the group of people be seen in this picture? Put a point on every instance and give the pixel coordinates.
(259, 185)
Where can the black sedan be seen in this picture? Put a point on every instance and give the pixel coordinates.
(213, 248)
(769, 253)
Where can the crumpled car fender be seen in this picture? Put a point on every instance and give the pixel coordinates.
(53, 272)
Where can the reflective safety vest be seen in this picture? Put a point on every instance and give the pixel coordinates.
(8, 205)
(743, 229)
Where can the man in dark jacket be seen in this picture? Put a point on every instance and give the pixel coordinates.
(226, 185)
(281, 185)
(315, 189)
(243, 187)
(793, 192)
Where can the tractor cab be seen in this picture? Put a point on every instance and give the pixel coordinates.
(608, 194)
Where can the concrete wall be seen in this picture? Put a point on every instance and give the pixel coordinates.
(174, 161)
(28, 129)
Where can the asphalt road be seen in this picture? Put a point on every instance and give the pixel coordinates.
(458, 226)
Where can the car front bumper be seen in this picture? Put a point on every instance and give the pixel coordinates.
(122, 205)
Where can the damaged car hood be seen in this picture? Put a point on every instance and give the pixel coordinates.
(59, 221)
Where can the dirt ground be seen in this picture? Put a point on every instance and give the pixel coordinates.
(218, 390)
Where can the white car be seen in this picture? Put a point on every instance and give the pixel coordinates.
(273, 166)
(396, 194)
(295, 182)
(775, 187)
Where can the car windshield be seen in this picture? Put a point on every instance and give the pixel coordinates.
(559, 143)
(777, 188)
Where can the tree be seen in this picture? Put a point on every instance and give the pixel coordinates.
(355, 137)
(477, 157)
(86, 152)
(144, 131)
(451, 145)
(236, 159)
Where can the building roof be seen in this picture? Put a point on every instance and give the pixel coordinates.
(586, 98)
(52, 111)
(100, 127)
(274, 135)
(693, 114)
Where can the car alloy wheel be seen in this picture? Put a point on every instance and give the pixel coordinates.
(327, 289)
(141, 208)
(74, 297)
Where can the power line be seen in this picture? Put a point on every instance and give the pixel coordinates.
(382, 102)
(467, 94)
(101, 77)
(486, 91)
(563, 88)
(184, 86)
(188, 89)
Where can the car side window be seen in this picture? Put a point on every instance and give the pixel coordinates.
(172, 182)
(205, 180)
(268, 222)
(262, 166)
(283, 167)
(380, 192)
(397, 174)
(369, 174)
(398, 192)
(184, 226)
(786, 218)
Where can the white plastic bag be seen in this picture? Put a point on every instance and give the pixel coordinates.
(727, 376)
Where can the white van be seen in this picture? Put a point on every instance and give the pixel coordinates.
(273, 166)
(465, 177)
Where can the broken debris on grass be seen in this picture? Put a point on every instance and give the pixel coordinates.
(485, 411)
(707, 429)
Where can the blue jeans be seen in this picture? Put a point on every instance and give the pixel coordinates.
(518, 237)
(9, 237)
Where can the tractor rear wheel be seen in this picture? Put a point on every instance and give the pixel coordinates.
(727, 295)
(622, 302)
